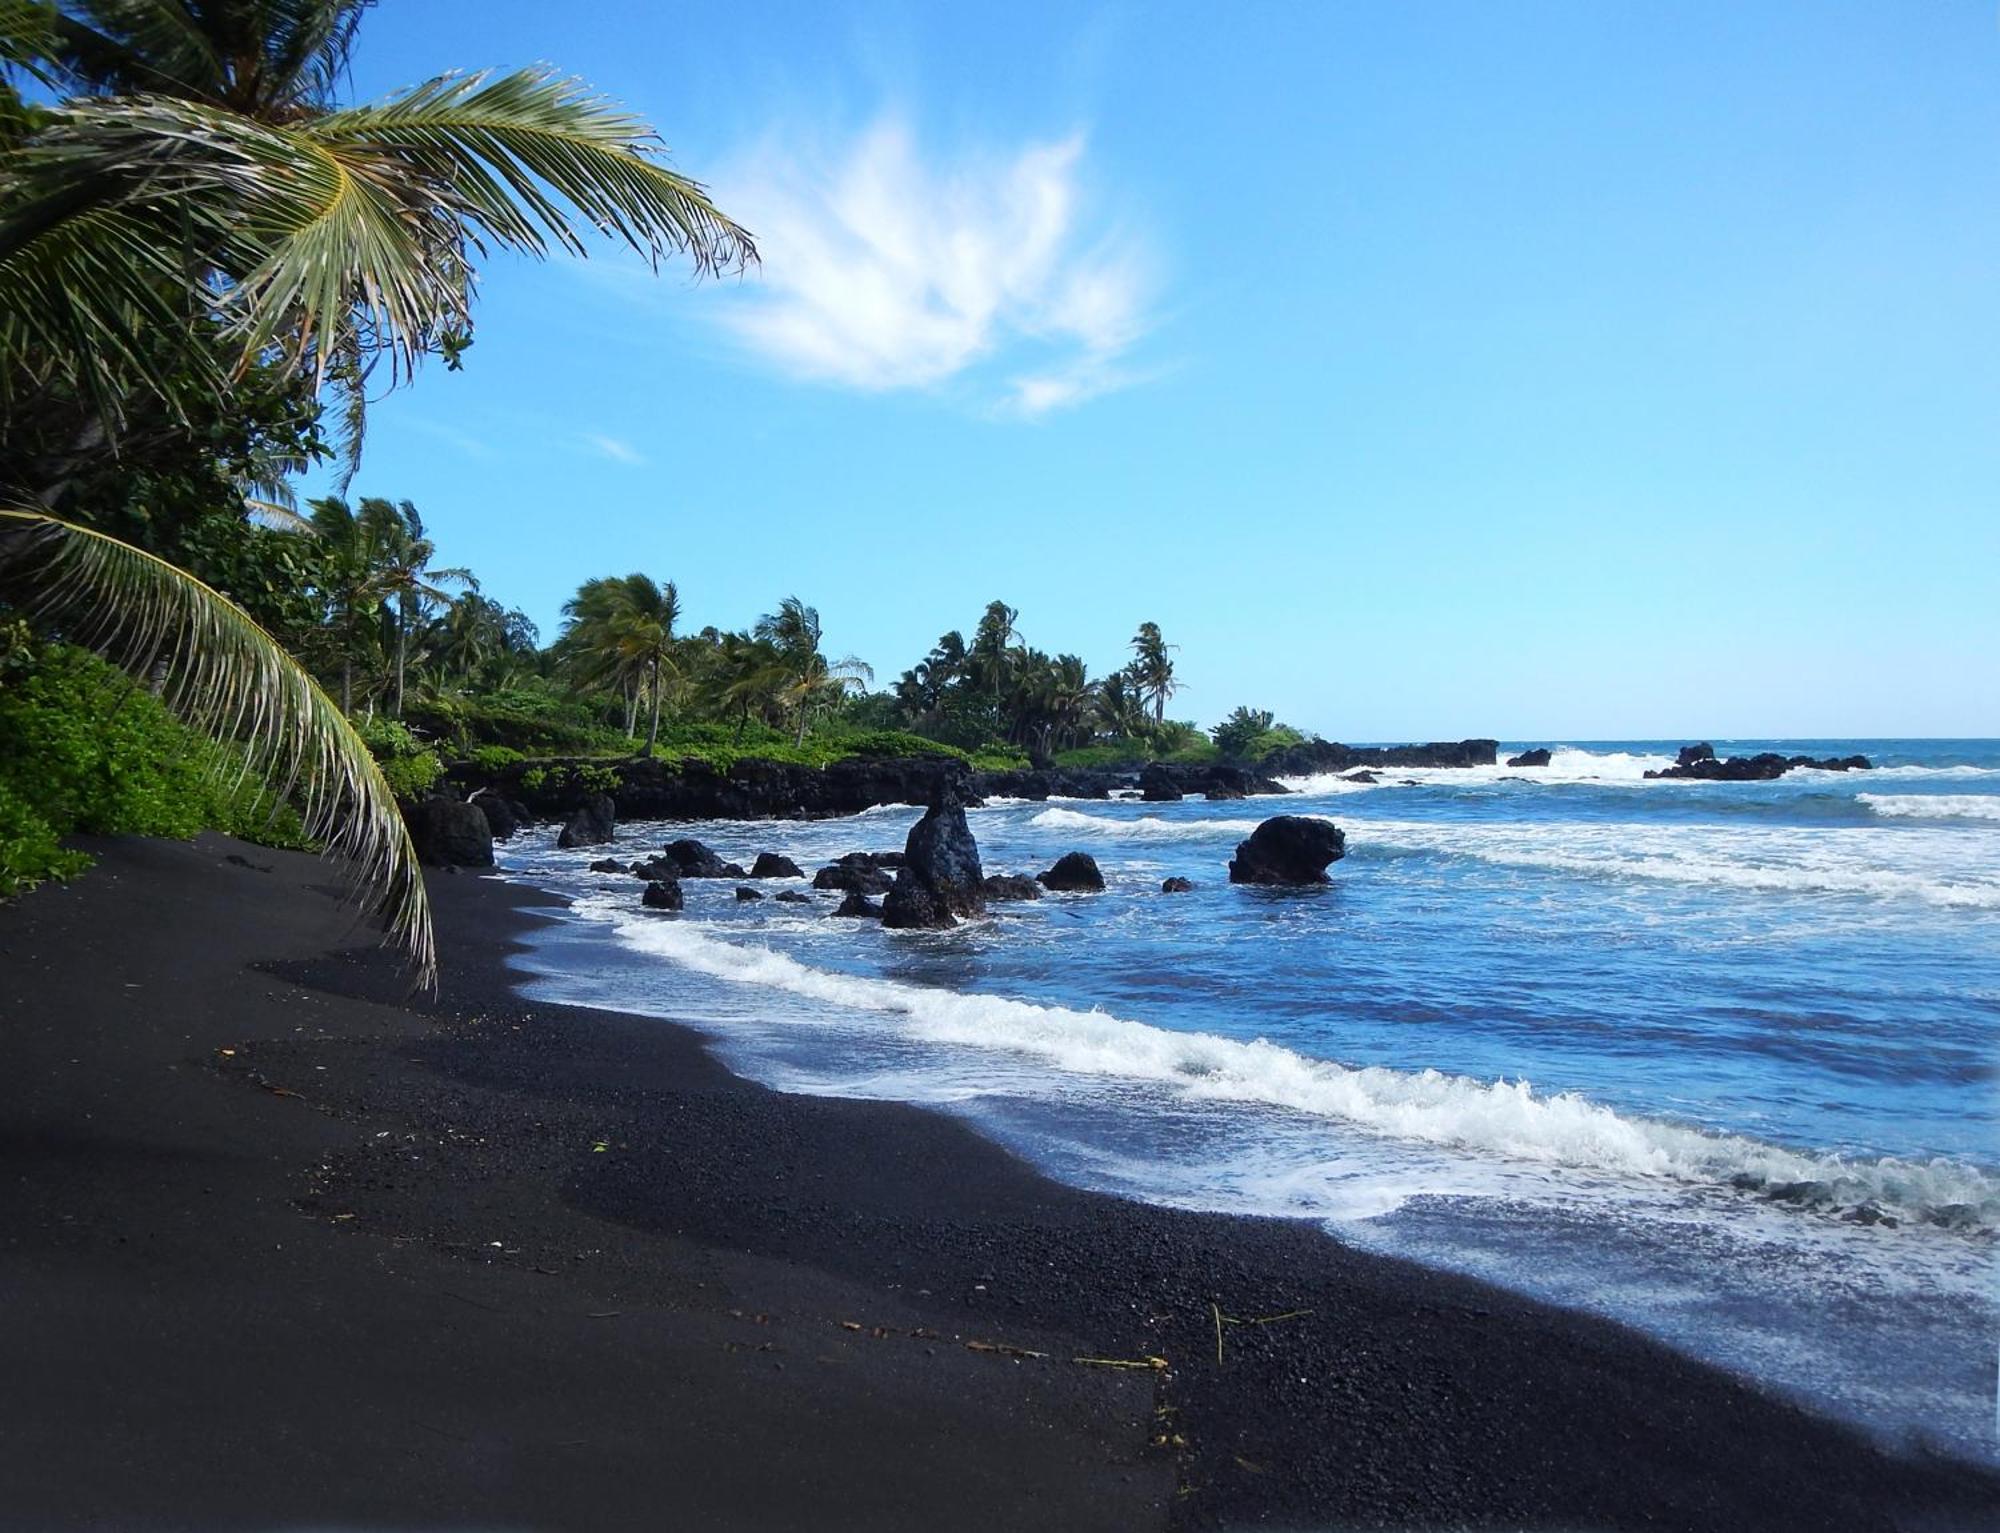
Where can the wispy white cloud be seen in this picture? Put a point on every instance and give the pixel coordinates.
(616, 449)
(466, 443)
(884, 268)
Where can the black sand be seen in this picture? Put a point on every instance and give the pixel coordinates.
(278, 1249)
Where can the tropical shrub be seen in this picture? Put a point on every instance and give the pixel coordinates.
(85, 749)
(410, 767)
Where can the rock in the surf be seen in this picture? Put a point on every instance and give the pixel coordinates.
(1157, 785)
(1699, 762)
(772, 865)
(1538, 757)
(607, 865)
(1176, 885)
(662, 894)
(792, 897)
(912, 905)
(859, 878)
(698, 861)
(858, 904)
(450, 833)
(941, 857)
(590, 824)
(1288, 849)
(744, 894)
(1001, 887)
(1074, 873)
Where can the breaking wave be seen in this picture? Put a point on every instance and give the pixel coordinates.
(1933, 806)
(1501, 1118)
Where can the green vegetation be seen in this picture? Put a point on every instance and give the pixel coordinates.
(172, 362)
(85, 749)
(202, 250)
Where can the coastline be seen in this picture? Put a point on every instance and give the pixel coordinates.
(400, 1282)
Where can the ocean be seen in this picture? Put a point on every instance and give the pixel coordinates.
(1713, 1059)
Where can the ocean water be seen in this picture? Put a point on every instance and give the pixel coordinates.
(1717, 1060)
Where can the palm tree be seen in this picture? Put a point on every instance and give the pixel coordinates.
(810, 680)
(1153, 668)
(202, 181)
(404, 555)
(622, 631)
(1120, 710)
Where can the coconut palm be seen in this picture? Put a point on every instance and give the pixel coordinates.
(406, 576)
(809, 682)
(621, 631)
(203, 181)
(1153, 668)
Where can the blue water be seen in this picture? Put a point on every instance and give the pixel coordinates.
(1715, 1059)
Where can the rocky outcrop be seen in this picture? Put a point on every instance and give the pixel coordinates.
(1317, 756)
(1157, 785)
(771, 865)
(911, 905)
(450, 833)
(501, 817)
(858, 904)
(940, 862)
(608, 865)
(698, 861)
(1538, 757)
(744, 894)
(1074, 873)
(792, 897)
(1002, 887)
(590, 823)
(856, 877)
(662, 894)
(1699, 762)
(661, 868)
(1040, 783)
(1176, 885)
(1288, 849)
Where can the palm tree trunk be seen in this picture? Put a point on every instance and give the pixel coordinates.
(631, 709)
(347, 682)
(402, 650)
(653, 729)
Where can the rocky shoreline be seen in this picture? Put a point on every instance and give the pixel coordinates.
(755, 789)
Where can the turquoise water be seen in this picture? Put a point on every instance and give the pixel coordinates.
(1716, 1059)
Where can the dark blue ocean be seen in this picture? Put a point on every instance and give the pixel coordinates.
(1715, 1059)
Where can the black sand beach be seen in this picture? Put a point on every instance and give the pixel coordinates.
(280, 1247)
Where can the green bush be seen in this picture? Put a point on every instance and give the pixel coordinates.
(410, 767)
(494, 759)
(84, 749)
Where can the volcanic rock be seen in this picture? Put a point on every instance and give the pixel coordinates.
(450, 833)
(1074, 872)
(1288, 849)
(590, 824)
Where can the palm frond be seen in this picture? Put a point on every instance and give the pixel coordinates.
(228, 679)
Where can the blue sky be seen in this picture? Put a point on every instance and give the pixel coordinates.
(1565, 370)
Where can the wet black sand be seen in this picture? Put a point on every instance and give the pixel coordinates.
(279, 1247)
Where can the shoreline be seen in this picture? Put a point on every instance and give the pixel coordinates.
(694, 1282)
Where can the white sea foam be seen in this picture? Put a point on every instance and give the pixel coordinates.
(1933, 806)
(1147, 827)
(1498, 1118)
(1765, 859)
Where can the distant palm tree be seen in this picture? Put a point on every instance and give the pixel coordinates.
(810, 681)
(1153, 668)
(201, 181)
(407, 577)
(622, 630)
